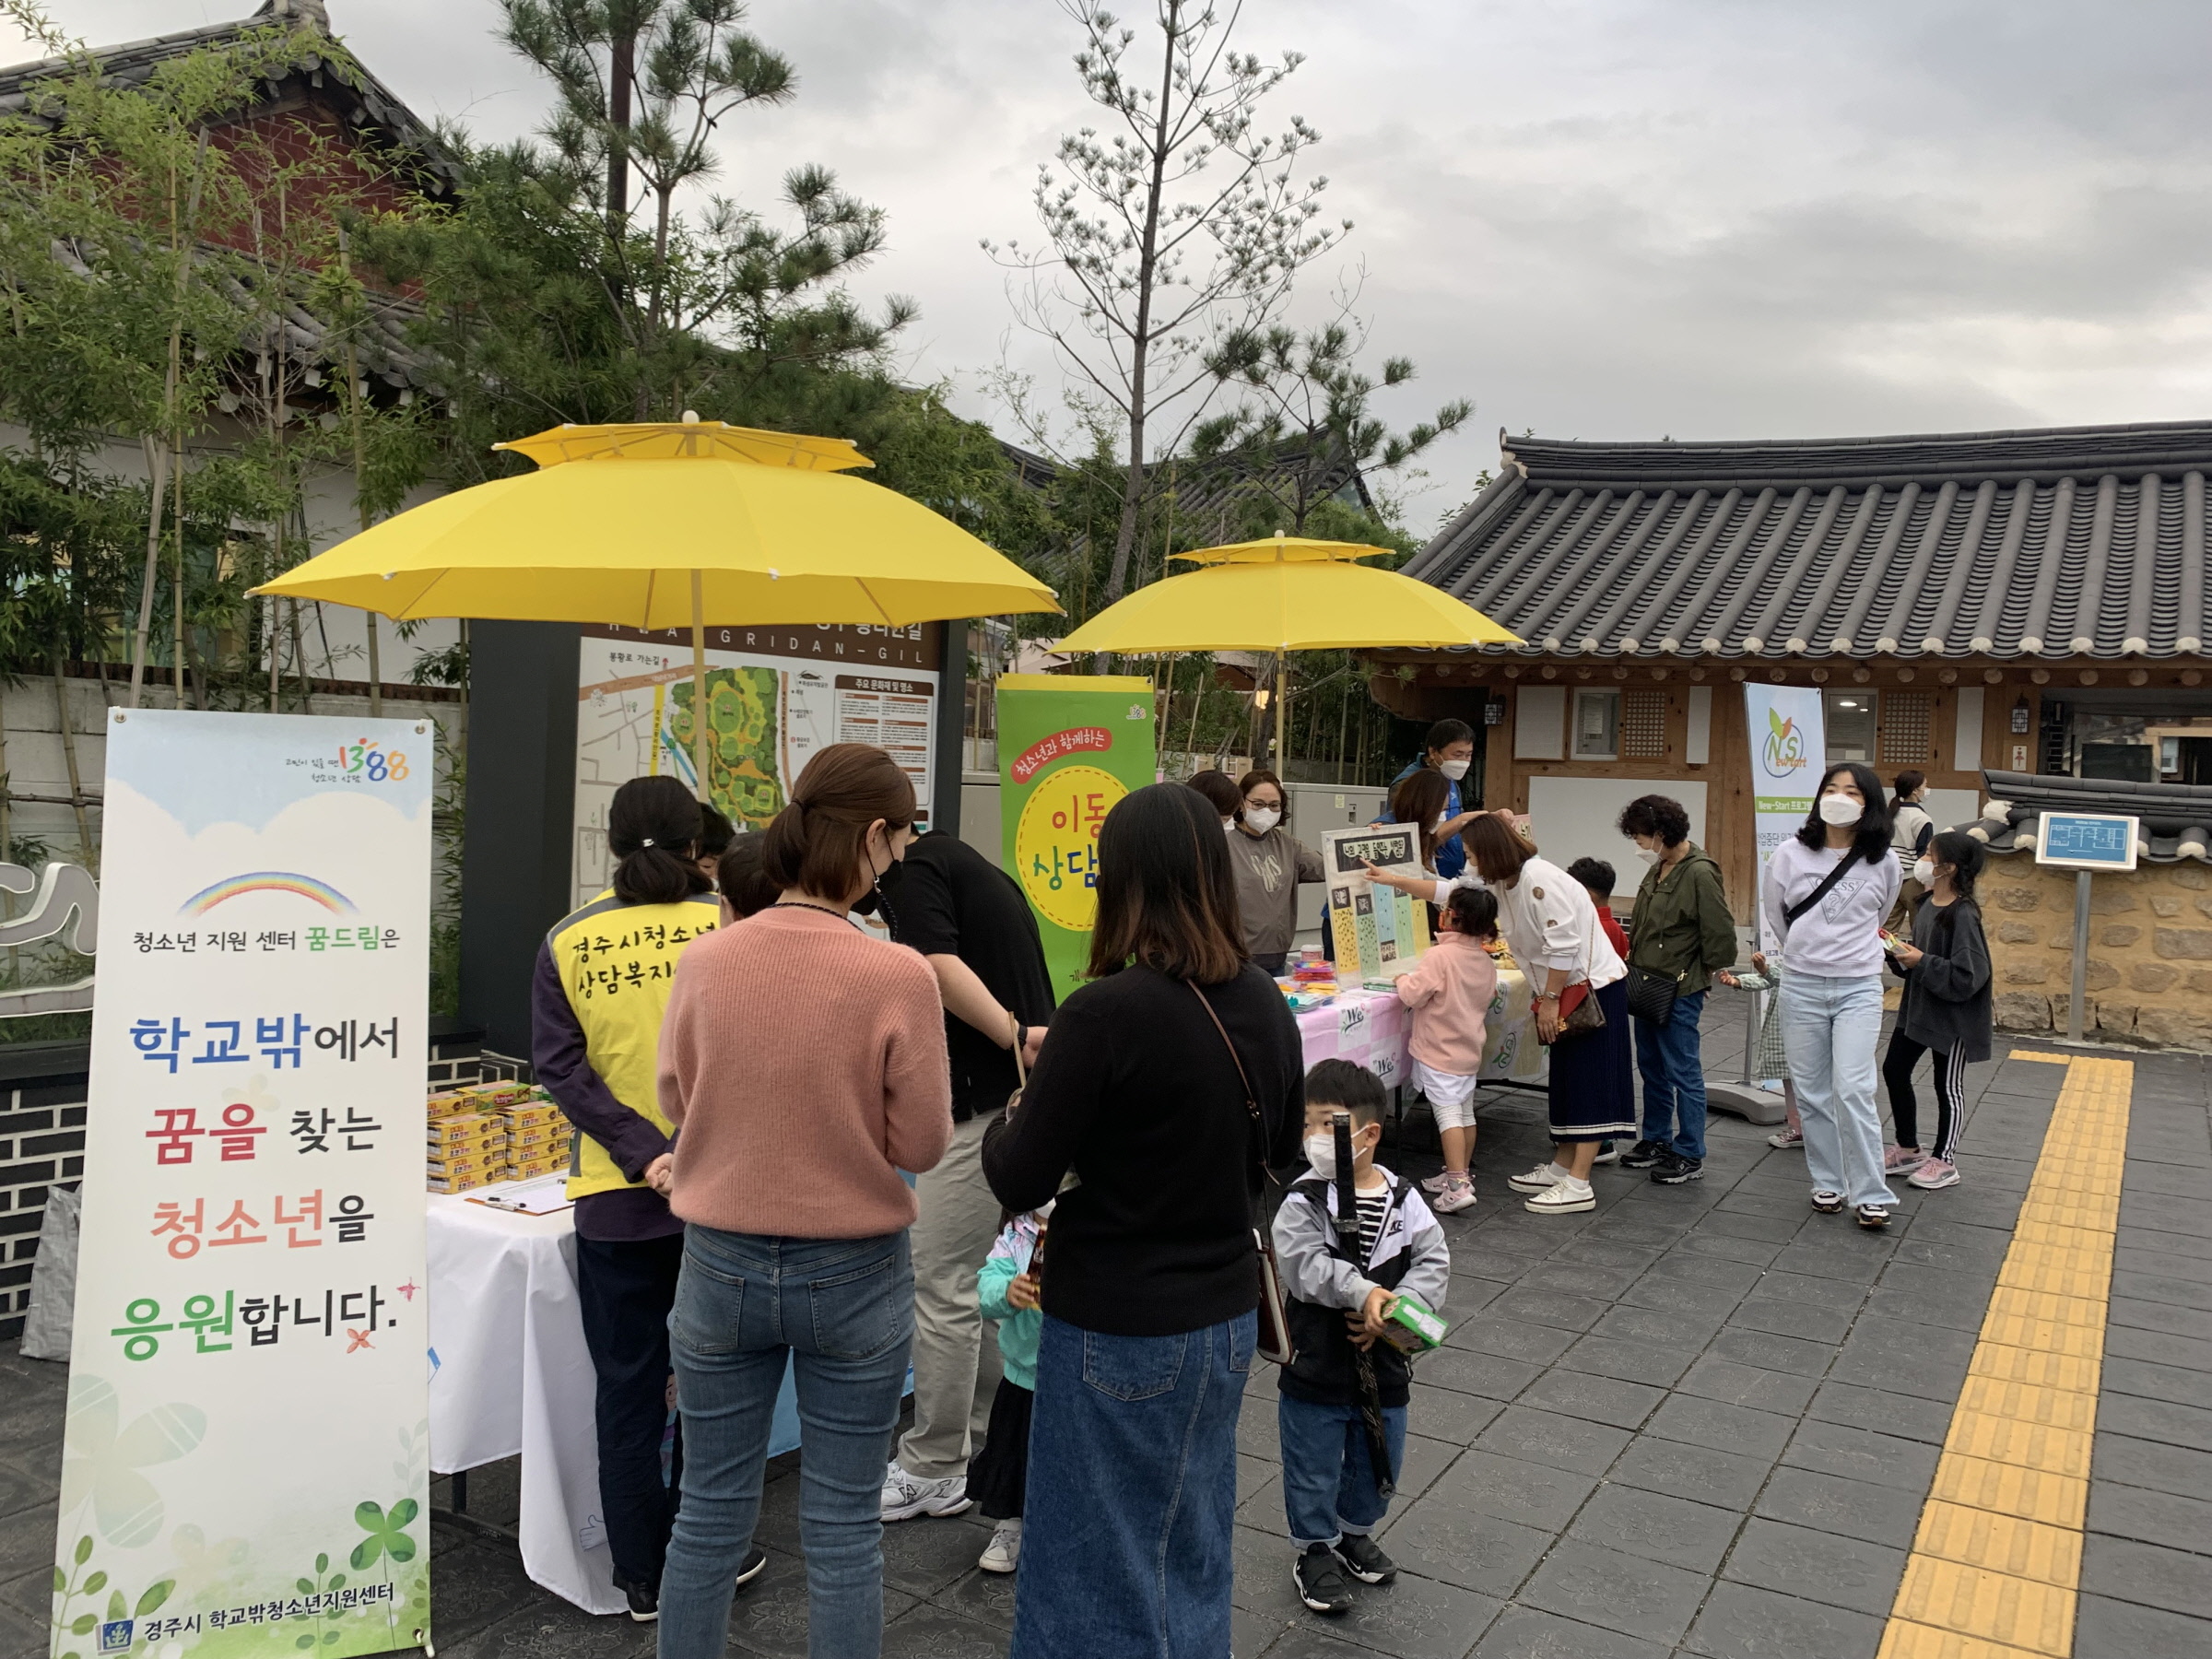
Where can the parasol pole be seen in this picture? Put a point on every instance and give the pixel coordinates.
(699, 684)
(1282, 710)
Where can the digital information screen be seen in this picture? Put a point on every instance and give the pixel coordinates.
(2086, 840)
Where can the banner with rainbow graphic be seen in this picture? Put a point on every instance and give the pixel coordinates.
(246, 1467)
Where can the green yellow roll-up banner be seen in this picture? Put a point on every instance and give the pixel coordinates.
(1069, 746)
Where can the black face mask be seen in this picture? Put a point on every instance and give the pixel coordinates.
(879, 896)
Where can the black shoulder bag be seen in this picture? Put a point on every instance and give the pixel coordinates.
(1275, 1345)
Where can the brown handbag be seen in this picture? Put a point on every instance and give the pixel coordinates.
(1275, 1345)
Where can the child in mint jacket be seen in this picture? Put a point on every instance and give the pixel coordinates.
(1005, 1292)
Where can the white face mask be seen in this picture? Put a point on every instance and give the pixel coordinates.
(1841, 810)
(1453, 769)
(1438, 825)
(1229, 826)
(1923, 872)
(1649, 854)
(1261, 818)
(1321, 1152)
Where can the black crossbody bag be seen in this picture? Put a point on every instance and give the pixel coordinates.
(1828, 885)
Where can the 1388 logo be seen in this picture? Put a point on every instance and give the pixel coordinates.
(371, 761)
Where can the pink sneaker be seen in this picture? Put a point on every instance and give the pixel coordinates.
(1783, 1139)
(1934, 1174)
(1437, 1183)
(1459, 1196)
(1896, 1159)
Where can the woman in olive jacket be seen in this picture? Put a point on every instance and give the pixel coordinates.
(1682, 932)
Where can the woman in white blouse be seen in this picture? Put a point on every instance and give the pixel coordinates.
(1551, 925)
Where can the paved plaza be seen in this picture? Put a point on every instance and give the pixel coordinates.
(1701, 1421)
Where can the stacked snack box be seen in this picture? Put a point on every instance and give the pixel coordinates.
(481, 1133)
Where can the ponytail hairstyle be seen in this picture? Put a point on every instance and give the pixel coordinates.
(818, 844)
(1906, 783)
(1964, 854)
(746, 888)
(652, 830)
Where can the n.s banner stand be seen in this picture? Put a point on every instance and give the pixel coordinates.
(246, 1466)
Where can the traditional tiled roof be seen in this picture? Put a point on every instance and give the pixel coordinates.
(2176, 818)
(2074, 541)
(364, 100)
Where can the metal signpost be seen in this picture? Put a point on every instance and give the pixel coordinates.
(2084, 842)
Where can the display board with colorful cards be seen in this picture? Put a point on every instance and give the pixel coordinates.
(483, 1134)
(1379, 932)
(246, 1463)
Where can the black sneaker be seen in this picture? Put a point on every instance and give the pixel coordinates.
(756, 1563)
(1363, 1561)
(1320, 1581)
(644, 1604)
(1643, 1155)
(1674, 1169)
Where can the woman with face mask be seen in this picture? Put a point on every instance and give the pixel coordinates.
(1911, 830)
(1447, 754)
(805, 1064)
(1821, 906)
(1681, 934)
(1269, 863)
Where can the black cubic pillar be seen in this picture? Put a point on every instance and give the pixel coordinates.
(519, 849)
(952, 726)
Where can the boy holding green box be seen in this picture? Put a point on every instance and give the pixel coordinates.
(1359, 1297)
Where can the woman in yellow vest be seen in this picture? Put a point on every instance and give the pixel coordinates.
(604, 974)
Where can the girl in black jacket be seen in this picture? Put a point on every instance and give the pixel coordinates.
(1946, 1009)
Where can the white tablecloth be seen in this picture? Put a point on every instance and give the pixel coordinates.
(509, 1375)
(1371, 1027)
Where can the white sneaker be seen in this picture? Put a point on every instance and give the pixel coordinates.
(1537, 1180)
(1458, 1196)
(905, 1497)
(1435, 1183)
(1562, 1198)
(1785, 1137)
(1003, 1554)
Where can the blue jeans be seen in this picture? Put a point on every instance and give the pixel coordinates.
(1328, 1476)
(1830, 1030)
(1674, 1080)
(1133, 1494)
(843, 1311)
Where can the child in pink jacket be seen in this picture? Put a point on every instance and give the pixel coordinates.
(1449, 992)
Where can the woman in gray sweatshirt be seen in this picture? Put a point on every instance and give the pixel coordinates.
(1831, 997)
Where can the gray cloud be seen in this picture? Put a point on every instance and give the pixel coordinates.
(1717, 218)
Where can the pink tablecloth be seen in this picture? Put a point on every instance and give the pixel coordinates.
(1370, 1027)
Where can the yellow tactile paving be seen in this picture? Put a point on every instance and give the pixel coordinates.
(1997, 1558)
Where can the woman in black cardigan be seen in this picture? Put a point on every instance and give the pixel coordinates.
(1152, 1277)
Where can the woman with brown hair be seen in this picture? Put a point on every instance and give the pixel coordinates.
(1165, 1085)
(1551, 925)
(805, 1064)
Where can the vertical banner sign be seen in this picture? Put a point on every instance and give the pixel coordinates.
(246, 1466)
(1789, 749)
(1069, 746)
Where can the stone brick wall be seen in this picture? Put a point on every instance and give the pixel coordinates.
(2150, 950)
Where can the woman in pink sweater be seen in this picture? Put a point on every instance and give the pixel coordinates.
(804, 1064)
(1450, 994)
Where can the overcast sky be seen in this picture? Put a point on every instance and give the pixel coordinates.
(1597, 219)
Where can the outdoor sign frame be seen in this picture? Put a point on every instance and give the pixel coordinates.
(2083, 845)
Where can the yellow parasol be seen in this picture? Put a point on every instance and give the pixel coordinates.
(755, 527)
(1282, 595)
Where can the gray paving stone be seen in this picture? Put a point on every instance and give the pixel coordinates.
(1743, 1621)
(1827, 1256)
(2127, 1570)
(1546, 1437)
(1446, 1414)
(1768, 1351)
(1904, 1357)
(1862, 1454)
(1630, 1362)
(1727, 1479)
(2166, 1518)
(1718, 1378)
(2142, 1462)
(929, 1632)
(1599, 1284)
(2157, 1316)
(2160, 1263)
(1593, 1398)
(1682, 1265)
(1658, 1527)
(1624, 1592)
(1566, 1312)
(1543, 1496)
(1819, 1566)
(1908, 1415)
(2170, 1382)
(1532, 1633)
(1484, 1374)
(1610, 1251)
(1416, 1617)
(2162, 1420)
(1751, 1204)
(554, 1629)
(2159, 1348)
(1658, 1328)
(1728, 1247)
(2105, 1629)
(1846, 1296)
(1311, 1638)
(1722, 1426)
(2163, 1292)
(986, 1597)
(1856, 1509)
(1511, 1339)
(1443, 1539)
(1763, 1230)
(2182, 1244)
(1679, 1296)
(1827, 1326)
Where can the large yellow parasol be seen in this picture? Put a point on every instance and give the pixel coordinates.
(754, 527)
(1282, 595)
